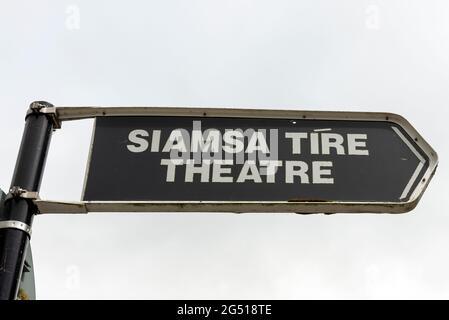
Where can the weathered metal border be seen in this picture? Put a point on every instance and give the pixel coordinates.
(78, 113)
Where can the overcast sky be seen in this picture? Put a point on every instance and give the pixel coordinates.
(306, 55)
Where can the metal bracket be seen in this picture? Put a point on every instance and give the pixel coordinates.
(46, 108)
(12, 224)
(18, 192)
(14, 193)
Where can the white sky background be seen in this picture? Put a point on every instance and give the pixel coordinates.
(315, 55)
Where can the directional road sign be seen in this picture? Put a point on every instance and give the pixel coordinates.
(186, 159)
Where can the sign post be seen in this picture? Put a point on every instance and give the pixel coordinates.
(19, 208)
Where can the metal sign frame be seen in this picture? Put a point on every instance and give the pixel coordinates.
(302, 207)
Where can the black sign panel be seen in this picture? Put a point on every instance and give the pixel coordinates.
(171, 158)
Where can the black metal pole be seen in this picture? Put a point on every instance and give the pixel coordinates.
(19, 211)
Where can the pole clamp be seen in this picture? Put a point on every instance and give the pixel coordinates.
(43, 107)
(13, 224)
(18, 192)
